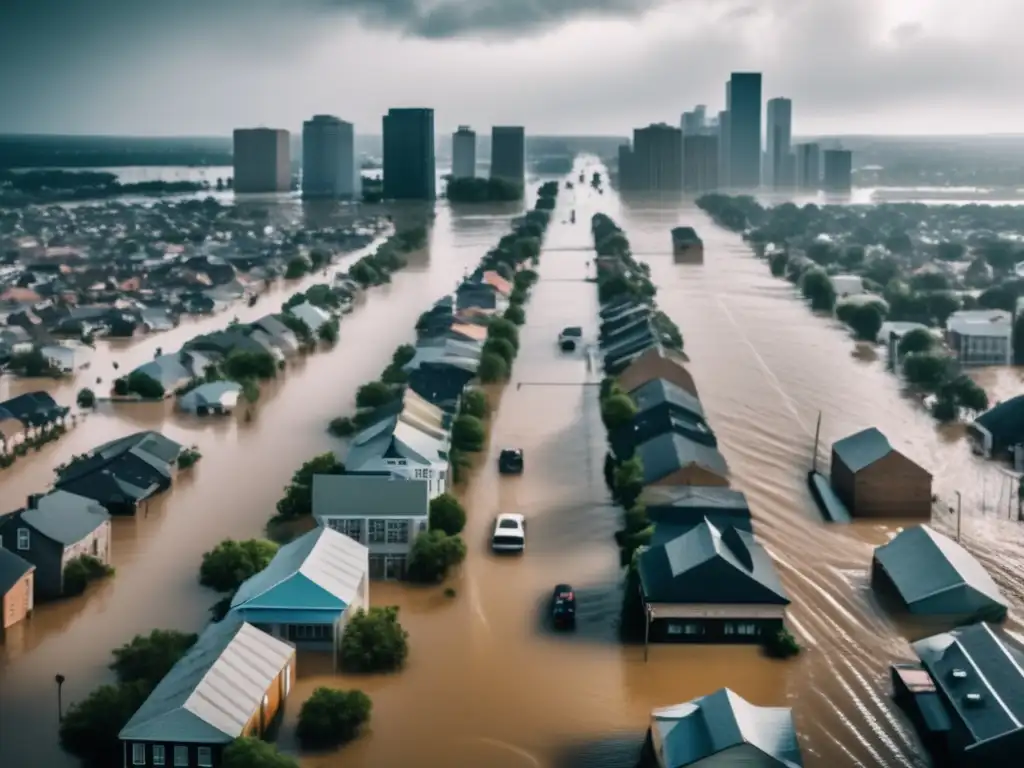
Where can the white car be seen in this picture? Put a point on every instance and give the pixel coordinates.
(509, 533)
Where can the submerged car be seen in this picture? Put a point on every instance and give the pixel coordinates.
(563, 607)
(510, 461)
(569, 338)
(509, 533)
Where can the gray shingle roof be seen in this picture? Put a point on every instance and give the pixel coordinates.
(691, 732)
(664, 454)
(862, 449)
(369, 496)
(658, 391)
(936, 576)
(213, 393)
(210, 695)
(706, 565)
(12, 568)
(166, 369)
(65, 517)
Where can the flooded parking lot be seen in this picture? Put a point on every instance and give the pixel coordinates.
(487, 682)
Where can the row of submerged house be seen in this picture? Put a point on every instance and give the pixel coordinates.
(367, 520)
(54, 530)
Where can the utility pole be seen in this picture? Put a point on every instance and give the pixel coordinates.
(59, 680)
(959, 501)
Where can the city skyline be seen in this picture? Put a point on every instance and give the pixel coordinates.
(201, 69)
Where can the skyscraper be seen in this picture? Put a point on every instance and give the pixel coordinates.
(700, 163)
(409, 165)
(779, 143)
(508, 153)
(329, 167)
(723, 148)
(808, 167)
(694, 122)
(743, 102)
(657, 162)
(464, 153)
(838, 176)
(627, 180)
(262, 160)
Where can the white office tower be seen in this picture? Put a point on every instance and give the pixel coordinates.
(329, 167)
(464, 153)
(778, 163)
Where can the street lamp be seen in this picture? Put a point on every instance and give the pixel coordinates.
(59, 679)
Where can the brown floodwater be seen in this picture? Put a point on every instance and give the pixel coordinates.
(486, 683)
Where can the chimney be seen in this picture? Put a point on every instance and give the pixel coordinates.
(33, 500)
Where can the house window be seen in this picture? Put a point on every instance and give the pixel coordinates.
(747, 629)
(158, 754)
(394, 567)
(684, 629)
(24, 538)
(398, 531)
(729, 629)
(314, 632)
(138, 754)
(181, 757)
(350, 527)
(377, 532)
(204, 757)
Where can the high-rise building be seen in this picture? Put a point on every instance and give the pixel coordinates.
(508, 153)
(409, 164)
(657, 162)
(808, 167)
(464, 153)
(700, 163)
(838, 177)
(262, 160)
(743, 102)
(627, 181)
(329, 167)
(779, 164)
(694, 122)
(723, 148)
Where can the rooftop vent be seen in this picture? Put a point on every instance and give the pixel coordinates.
(959, 674)
(973, 700)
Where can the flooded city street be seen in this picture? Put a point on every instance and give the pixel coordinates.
(487, 684)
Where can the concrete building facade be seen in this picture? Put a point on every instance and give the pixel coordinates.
(779, 150)
(658, 158)
(329, 167)
(262, 160)
(743, 102)
(464, 153)
(409, 154)
(508, 153)
(700, 163)
(838, 171)
(808, 166)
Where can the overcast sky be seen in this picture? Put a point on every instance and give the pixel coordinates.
(203, 67)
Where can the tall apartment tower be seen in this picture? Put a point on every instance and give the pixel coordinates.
(779, 164)
(700, 163)
(694, 122)
(723, 148)
(838, 176)
(409, 163)
(508, 153)
(329, 167)
(262, 160)
(808, 167)
(657, 162)
(464, 153)
(743, 102)
(627, 182)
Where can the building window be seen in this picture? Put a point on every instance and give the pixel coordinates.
(138, 754)
(351, 528)
(181, 757)
(398, 531)
(729, 628)
(158, 754)
(377, 532)
(24, 539)
(684, 629)
(204, 757)
(311, 632)
(394, 567)
(747, 629)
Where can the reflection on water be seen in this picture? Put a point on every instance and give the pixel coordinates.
(487, 682)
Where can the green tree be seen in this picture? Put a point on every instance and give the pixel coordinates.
(298, 495)
(516, 314)
(474, 403)
(817, 288)
(945, 408)
(916, 340)
(929, 281)
(297, 267)
(231, 562)
(501, 347)
(947, 251)
(524, 279)
(926, 370)
(255, 753)
(526, 249)
(148, 658)
(374, 641)
(823, 253)
(86, 398)
(328, 332)
(968, 394)
(374, 395)
(433, 555)
(999, 297)
(629, 482)
(492, 368)
(866, 320)
(319, 258)
(331, 717)
(500, 328)
(242, 364)
(90, 727)
(617, 411)
(144, 385)
(447, 514)
(403, 355)
(899, 243)
(777, 263)
(468, 434)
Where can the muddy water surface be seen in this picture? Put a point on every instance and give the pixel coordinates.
(487, 684)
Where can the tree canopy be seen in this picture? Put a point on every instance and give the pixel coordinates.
(374, 641)
(255, 753)
(492, 368)
(298, 494)
(447, 514)
(148, 658)
(231, 562)
(433, 555)
(617, 411)
(468, 433)
(331, 717)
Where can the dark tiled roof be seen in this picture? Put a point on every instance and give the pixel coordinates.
(861, 450)
(12, 568)
(1005, 421)
(658, 391)
(669, 452)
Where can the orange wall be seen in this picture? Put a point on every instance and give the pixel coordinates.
(17, 603)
